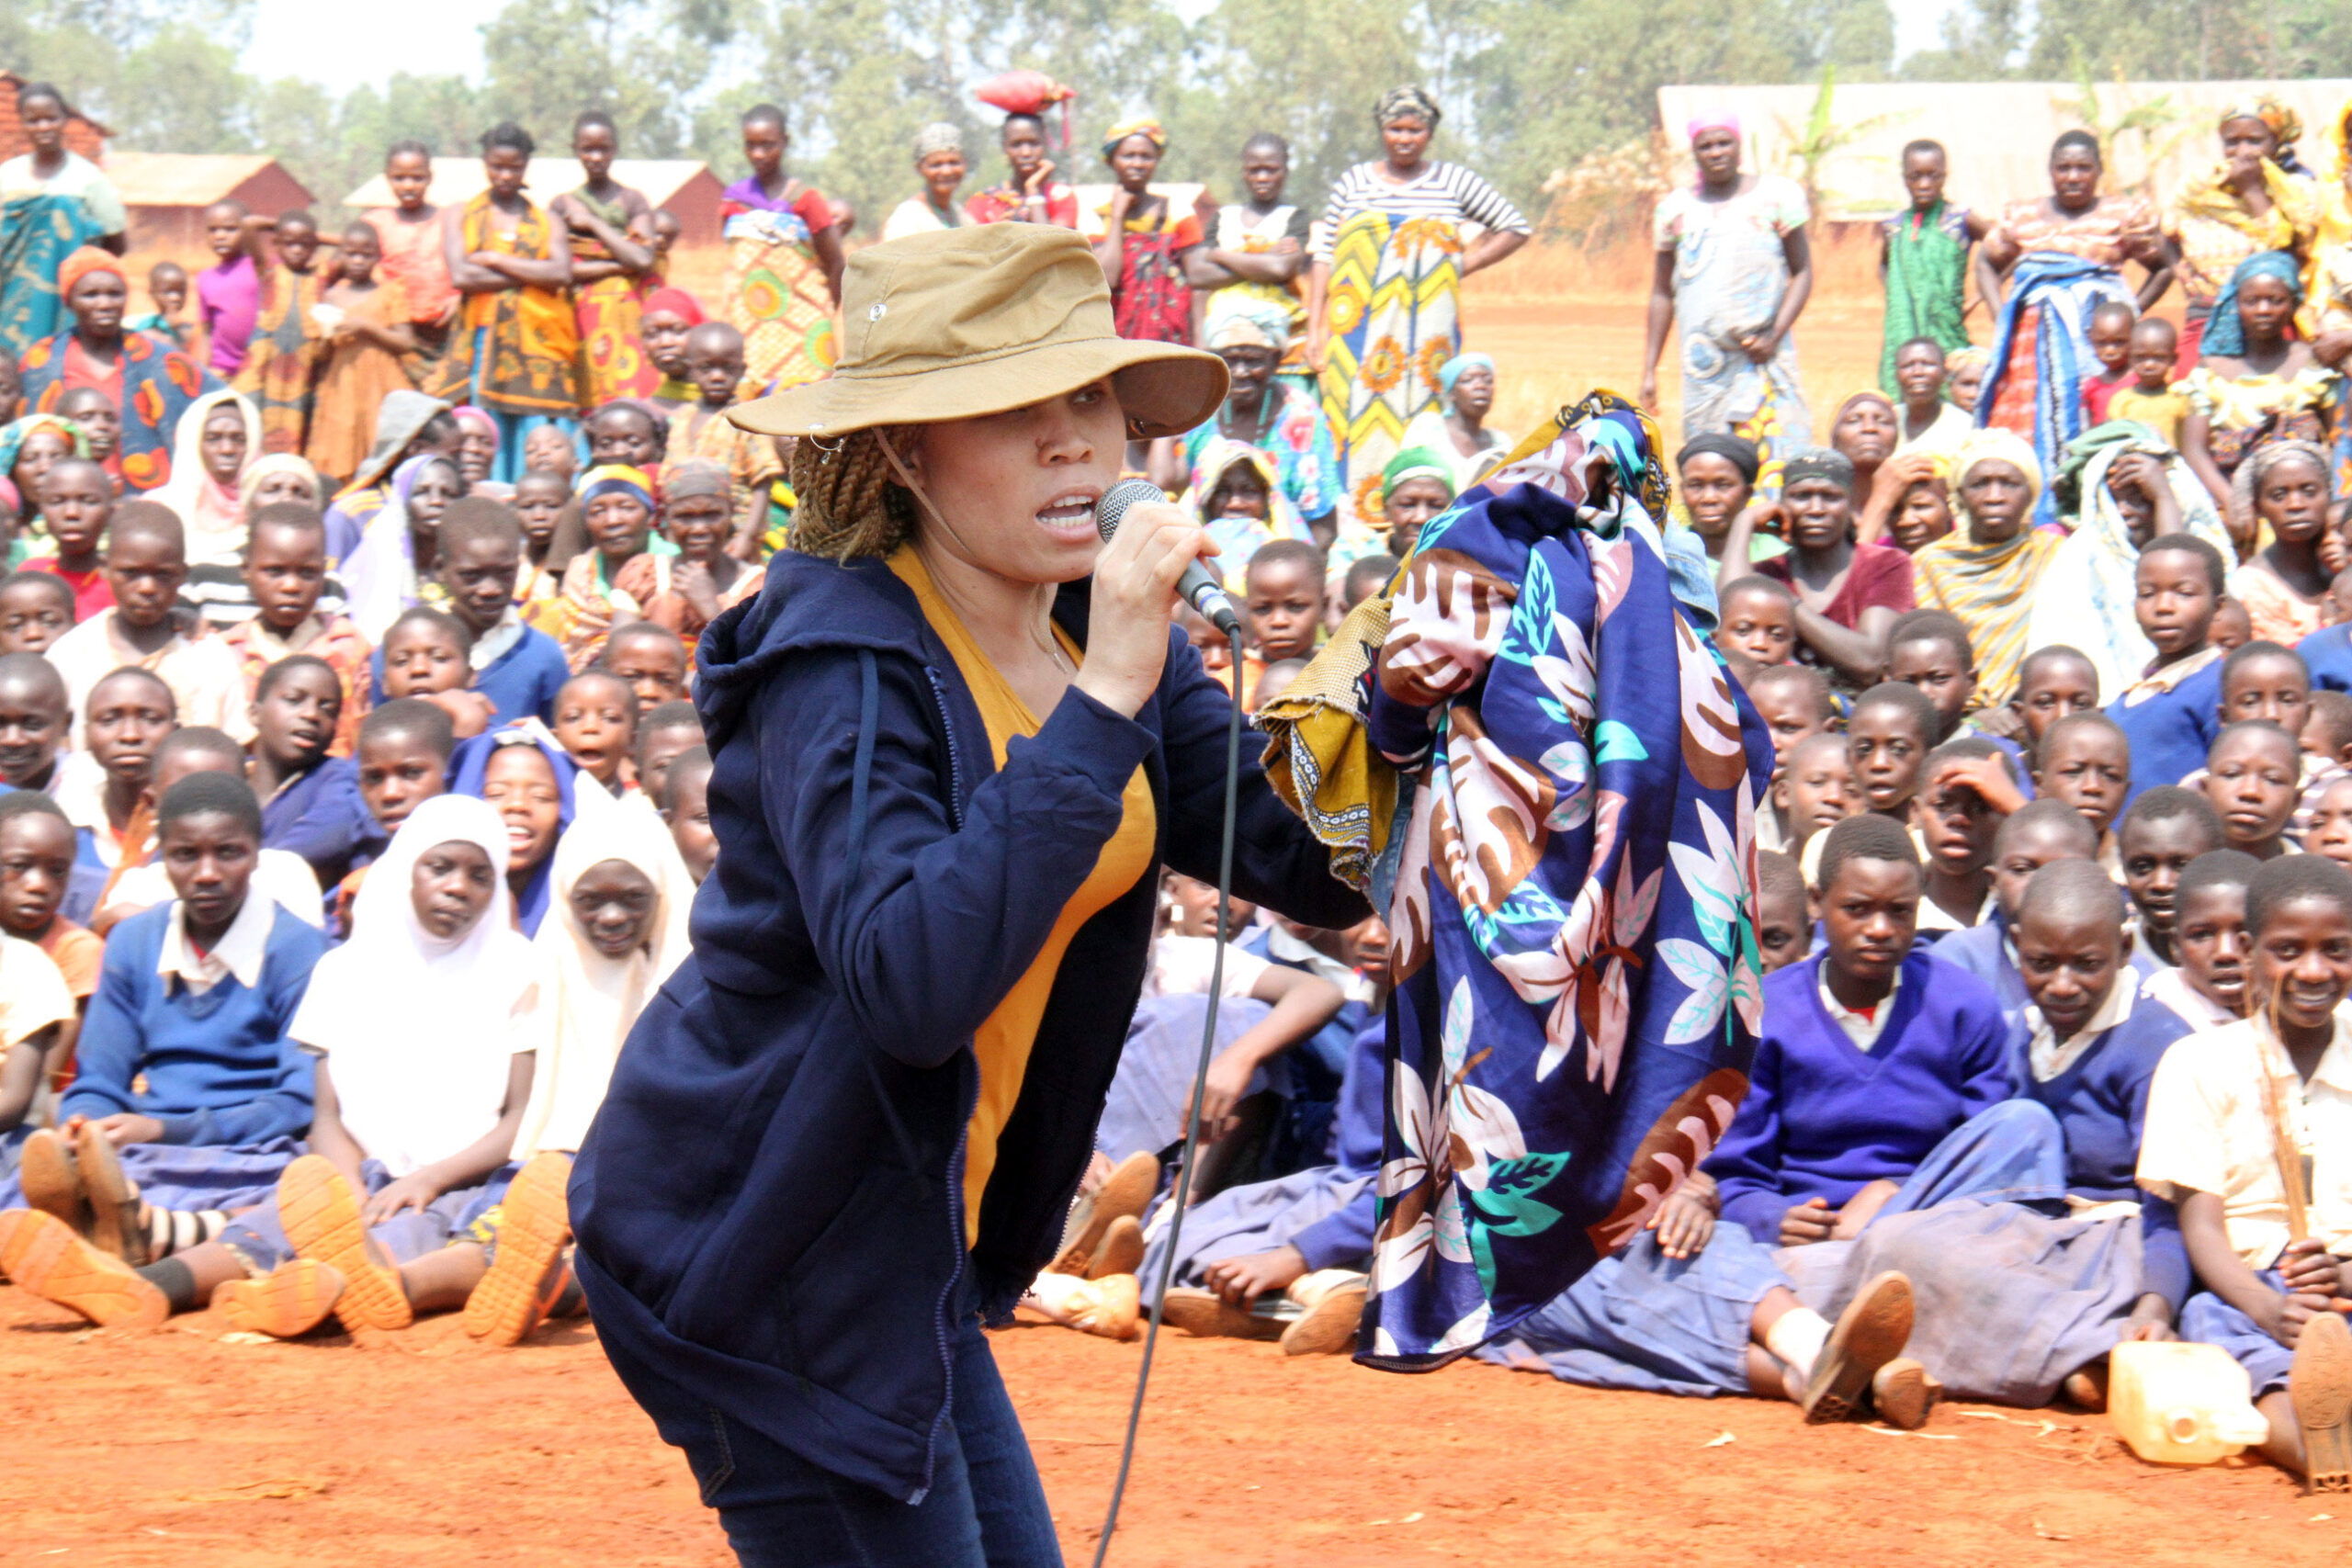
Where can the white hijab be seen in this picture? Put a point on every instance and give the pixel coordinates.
(587, 1002)
(212, 514)
(419, 1032)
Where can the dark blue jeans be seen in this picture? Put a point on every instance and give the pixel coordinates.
(986, 1508)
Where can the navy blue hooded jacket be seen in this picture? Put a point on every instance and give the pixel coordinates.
(769, 1206)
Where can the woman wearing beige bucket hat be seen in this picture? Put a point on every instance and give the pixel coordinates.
(954, 740)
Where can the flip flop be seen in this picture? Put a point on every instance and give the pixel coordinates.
(284, 1303)
(52, 1184)
(1206, 1315)
(116, 1225)
(1868, 1334)
(42, 1253)
(1329, 1327)
(527, 1273)
(1904, 1393)
(319, 1212)
(2320, 1386)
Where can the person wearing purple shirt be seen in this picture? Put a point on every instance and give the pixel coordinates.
(227, 294)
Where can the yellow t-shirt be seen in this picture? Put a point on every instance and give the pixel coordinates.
(1003, 1042)
(2163, 412)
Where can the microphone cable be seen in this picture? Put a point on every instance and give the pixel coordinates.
(1193, 1114)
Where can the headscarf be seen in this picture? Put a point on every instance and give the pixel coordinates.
(587, 1002)
(1143, 126)
(1246, 320)
(400, 418)
(677, 302)
(1989, 587)
(1408, 102)
(1710, 119)
(1451, 371)
(84, 262)
(615, 479)
(2085, 595)
(2246, 483)
(379, 578)
(2225, 328)
(1867, 395)
(471, 762)
(1413, 463)
(695, 476)
(1975, 356)
(1816, 463)
(1238, 538)
(479, 420)
(10, 498)
(271, 463)
(420, 1032)
(209, 510)
(2286, 127)
(939, 136)
(1739, 452)
(16, 432)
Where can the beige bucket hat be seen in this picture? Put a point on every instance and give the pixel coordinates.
(982, 319)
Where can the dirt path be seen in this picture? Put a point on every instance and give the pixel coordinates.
(420, 1451)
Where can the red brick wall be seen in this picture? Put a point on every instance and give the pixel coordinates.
(82, 135)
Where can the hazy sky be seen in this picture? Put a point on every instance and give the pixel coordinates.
(436, 36)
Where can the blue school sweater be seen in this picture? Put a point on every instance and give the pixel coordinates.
(2101, 1104)
(520, 683)
(2171, 731)
(2328, 654)
(1342, 1239)
(1983, 952)
(220, 1069)
(321, 818)
(1824, 1119)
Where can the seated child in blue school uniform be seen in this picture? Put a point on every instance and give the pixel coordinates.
(2172, 714)
(310, 804)
(2207, 985)
(2249, 1133)
(191, 1096)
(2162, 831)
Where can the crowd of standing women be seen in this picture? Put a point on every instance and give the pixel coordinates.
(356, 802)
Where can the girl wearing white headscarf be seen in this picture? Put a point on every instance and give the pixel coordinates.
(589, 997)
(205, 500)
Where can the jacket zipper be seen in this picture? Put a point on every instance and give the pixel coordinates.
(971, 1097)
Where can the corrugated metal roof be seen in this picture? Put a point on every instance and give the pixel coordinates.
(187, 179)
(461, 179)
(1997, 134)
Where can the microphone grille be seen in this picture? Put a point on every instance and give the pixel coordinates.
(1113, 508)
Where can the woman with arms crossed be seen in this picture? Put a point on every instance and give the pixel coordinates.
(953, 743)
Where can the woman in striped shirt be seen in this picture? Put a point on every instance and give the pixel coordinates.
(1382, 294)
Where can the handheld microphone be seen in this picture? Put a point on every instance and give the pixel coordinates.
(1198, 587)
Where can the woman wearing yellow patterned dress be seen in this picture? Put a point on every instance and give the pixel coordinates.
(2244, 205)
(515, 353)
(784, 263)
(611, 230)
(1382, 295)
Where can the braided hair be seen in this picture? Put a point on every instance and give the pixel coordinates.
(850, 502)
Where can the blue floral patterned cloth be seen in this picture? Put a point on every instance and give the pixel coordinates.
(1577, 984)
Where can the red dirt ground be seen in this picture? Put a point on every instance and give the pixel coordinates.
(179, 1449)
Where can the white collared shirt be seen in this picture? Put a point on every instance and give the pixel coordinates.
(492, 646)
(1934, 916)
(2208, 1130)
(2196, 1009)
(240, 953)
(2048, 1056)
(1862, 1032)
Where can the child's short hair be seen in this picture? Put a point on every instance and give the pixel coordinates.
(1867, 837)
(1968, 748)
(675, 714)
(1914, 703)
(472, 517)
(2048, 654)
(291, 514)
(692, 760)
(1932, 625)
(46, 581)
(596, 673)
(2166, 803)
(2048, 813)
(1755, 583)
(287, 666)
(147, 519)
(2074, 890)
(2216, 571)
(2088, 718)
(1778, 876)
(227, 794)
(1369, 575)
(30, 802)
(2155, 324)
(1806, 683)
(2290, 879)
(1297, 552)
(2331, 715)
(1907, 345)
(201, 740)
(2112, 308)
(2261, 726)
(638, 631)
(412, 718)
(439, 621)
(2217, 868)
(2247, 653)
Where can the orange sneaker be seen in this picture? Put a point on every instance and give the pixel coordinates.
(41, 1253)
(1127, 1191)
(284, 1303)
(527, 1274)
(46, 1171)
(319, 1212)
